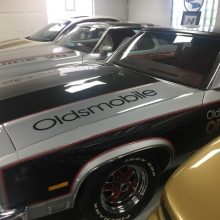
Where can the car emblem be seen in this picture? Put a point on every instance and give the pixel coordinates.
(193, 5)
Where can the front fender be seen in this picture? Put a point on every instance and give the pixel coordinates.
(106, 157)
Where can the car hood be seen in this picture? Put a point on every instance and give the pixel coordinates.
(36, 58)
(53, 102)
(193, 191)
(17, 44)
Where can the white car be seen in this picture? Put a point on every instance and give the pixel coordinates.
(52, 31)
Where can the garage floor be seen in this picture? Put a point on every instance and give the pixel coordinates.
(74, 215)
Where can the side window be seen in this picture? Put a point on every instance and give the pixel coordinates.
(116, 37)
(120, 35)
(106, 41)
(216, 82)
(144, 44)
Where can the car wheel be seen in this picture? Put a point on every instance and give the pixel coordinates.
(119, 190)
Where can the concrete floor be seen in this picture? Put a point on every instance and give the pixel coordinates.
(75, 215)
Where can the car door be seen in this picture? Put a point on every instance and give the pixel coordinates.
(211, 106)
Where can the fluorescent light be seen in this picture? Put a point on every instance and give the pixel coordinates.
(183, 39)
(80, 82)
(78, 88)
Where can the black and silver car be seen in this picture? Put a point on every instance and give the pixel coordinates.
(98, 135)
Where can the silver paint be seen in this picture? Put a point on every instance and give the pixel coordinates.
(144, 109)
(36, 211)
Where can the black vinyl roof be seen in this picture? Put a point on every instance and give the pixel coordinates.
(215, 33)
(112, 24)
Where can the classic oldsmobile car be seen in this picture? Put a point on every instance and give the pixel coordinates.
(87, 41)
(53, 31)
(193, 191)
(98, 135)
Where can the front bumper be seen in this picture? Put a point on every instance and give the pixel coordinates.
(14, 214)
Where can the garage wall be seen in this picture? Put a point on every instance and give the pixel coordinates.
(115, 8)
(217, 24)
(18, 16)
(56, 9)
(156, 11)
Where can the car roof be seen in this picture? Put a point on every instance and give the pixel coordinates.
(88, 18)
(112, 24)
(215, 33)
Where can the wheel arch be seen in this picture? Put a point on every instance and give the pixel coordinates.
(147, 147)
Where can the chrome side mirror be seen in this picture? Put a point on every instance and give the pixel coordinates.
(105, 50)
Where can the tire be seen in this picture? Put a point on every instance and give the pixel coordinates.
(119, 190)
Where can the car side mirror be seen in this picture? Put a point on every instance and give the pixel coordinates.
(105, 50)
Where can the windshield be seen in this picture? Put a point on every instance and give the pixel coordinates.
(49, 32)
(82, 38)
(185, 59)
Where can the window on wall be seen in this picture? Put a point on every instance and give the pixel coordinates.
(208, 14)
(70, 5)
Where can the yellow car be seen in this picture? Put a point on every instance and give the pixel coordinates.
(193, 192)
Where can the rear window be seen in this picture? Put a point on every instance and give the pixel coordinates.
(186, 59)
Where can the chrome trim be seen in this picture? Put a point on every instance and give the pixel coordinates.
(14, 214)
(212, 82)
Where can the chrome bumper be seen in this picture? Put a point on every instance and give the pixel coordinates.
(14, 214)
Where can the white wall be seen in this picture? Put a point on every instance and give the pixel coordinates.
(19, 18)
(115, 8)
(217, 23)
(56, 9)
(156, 11)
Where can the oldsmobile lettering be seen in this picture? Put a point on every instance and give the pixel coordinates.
(73, 115)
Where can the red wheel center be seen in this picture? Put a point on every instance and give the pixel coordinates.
(124, 188)
(120, 182)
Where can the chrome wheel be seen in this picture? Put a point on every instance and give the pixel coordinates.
(124, 188)
(120, 189)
